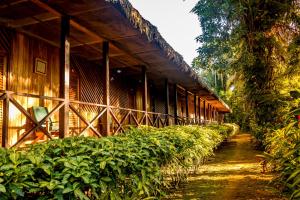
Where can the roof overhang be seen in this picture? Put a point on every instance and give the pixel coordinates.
(134, 41)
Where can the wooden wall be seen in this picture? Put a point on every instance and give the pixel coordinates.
(85, 84)
(22, 78)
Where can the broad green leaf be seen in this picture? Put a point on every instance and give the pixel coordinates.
(2, 188)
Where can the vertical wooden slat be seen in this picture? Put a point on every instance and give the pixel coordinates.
(64, 76)
(5, 121)
(175, 104)
(145, 92)
(167, 100)
(187, 104)
(106, 93)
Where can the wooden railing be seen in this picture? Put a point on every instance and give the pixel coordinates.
(31, 125)
(83, 116)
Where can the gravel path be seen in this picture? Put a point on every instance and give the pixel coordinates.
(234, 173)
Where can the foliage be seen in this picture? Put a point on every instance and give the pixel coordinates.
(283, 152)
(256, 44)
(129, 166)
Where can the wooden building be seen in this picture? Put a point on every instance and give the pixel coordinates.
(92, 68)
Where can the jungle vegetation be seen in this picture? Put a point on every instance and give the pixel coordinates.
(250, 52)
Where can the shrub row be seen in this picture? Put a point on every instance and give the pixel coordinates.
(134, 165)
(283, 153)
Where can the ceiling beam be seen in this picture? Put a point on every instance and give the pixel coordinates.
(85, 30)
(32, 20)
(12, 3)
(38, 37)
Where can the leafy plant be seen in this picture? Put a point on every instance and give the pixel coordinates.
(139, 164)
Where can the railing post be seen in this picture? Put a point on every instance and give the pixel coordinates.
(145, 93)
(64, 76)
(5, 121)
(167, 101)
(106, 87)
(175, 104)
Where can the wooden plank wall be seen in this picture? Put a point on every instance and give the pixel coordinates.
(90, 90)
(5, 45)
(22, 78)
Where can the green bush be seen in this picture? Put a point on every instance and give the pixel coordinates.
(283, 153)
(138, 164)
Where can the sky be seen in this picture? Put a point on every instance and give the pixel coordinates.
(178, 26)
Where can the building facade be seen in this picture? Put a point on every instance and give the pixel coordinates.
(91, 68)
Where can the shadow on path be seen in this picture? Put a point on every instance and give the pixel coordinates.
(234, 173)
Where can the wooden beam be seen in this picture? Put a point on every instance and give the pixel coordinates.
(195, 107)
(145, 92)
(204, 113)
(39, 37)
(64, 76)
(187, 104)
(199, 107)
(6, 5)
(5, 122)
(167, 100)
(175, 104)
(85, 30)
(106, 87)
(44, 17)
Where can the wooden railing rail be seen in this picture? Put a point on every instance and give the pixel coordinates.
(9, 97)
(120, 117)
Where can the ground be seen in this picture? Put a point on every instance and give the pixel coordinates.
(234, 173)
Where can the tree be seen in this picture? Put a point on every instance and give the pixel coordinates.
(257, 43)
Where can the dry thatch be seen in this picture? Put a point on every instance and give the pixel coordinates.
(153, 35)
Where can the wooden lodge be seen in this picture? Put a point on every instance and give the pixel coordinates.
(91, 68)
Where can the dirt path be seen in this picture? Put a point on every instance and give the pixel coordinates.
(234, 173)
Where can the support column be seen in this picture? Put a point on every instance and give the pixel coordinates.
(167, 101)
(209, 114)
(64, 78)
(153, 103)
(195, 108)
(175, 104)
(5, 122)
(187, 104)
(205, 113)
(106, 87)
(214, 114)
(199, 107)
(145, 93)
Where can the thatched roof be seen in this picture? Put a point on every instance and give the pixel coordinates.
(153, 35)
(133, 40)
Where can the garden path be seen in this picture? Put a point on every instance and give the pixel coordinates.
(234, 173)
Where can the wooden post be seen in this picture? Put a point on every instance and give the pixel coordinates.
(167, 101)
(187, 104)
(175, 104)
(64, 83)
(209, 112)
(204, 114)
(145, 93)
(214, 113)
(106, 87)
(199, 103)
(5, 121)
(153, 103)
(195, 108)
